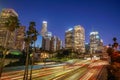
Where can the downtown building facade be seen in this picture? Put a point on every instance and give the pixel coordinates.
(46, 41)
(4, 34)
(55, 44)
(96, 43)
(49, 42)
(12, 37)
(75, 39)
(20, 35)
(44, 28)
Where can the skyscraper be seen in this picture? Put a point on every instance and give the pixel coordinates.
(4, 15)
(96, 43)
(56, 43)
(69, 39)
(6, 12)
(53, 44)
(44, 28)
(49, 42)
(46, 41)
(79, 39)
(20, 34)
(75, 39)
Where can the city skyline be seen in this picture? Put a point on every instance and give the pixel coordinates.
(102, 16)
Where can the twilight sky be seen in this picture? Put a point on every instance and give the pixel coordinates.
(94, 15)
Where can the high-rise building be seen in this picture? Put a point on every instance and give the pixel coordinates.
(56, 44)
(44, 28)
(79, 39)
(49, 42)
(20, 34)
(69, 39)
(7, 12)
(53, 44)
(75, 39)
(96, 43)
(4, 34)
(46, 41)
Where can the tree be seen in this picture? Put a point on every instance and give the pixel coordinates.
(30, 39)
(110, 51)
(115, 44)
(34, 38)
(109, 45)
(11, 24)
(27, 42)
(114, 39)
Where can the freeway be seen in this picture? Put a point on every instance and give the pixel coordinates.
(88, 71)
(94, 70)
(39, 65)
(80, 70)
(39, 72)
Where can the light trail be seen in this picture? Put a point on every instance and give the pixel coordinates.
(82, 70)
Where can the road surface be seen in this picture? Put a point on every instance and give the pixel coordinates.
(80, 70)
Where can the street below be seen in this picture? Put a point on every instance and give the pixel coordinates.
(79, 70)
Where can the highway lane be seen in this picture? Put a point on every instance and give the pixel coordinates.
(64, 70)
(86, 72)
(73, 75)
(39, 73)
(19, 74)
(94, 70)
(80, 70)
